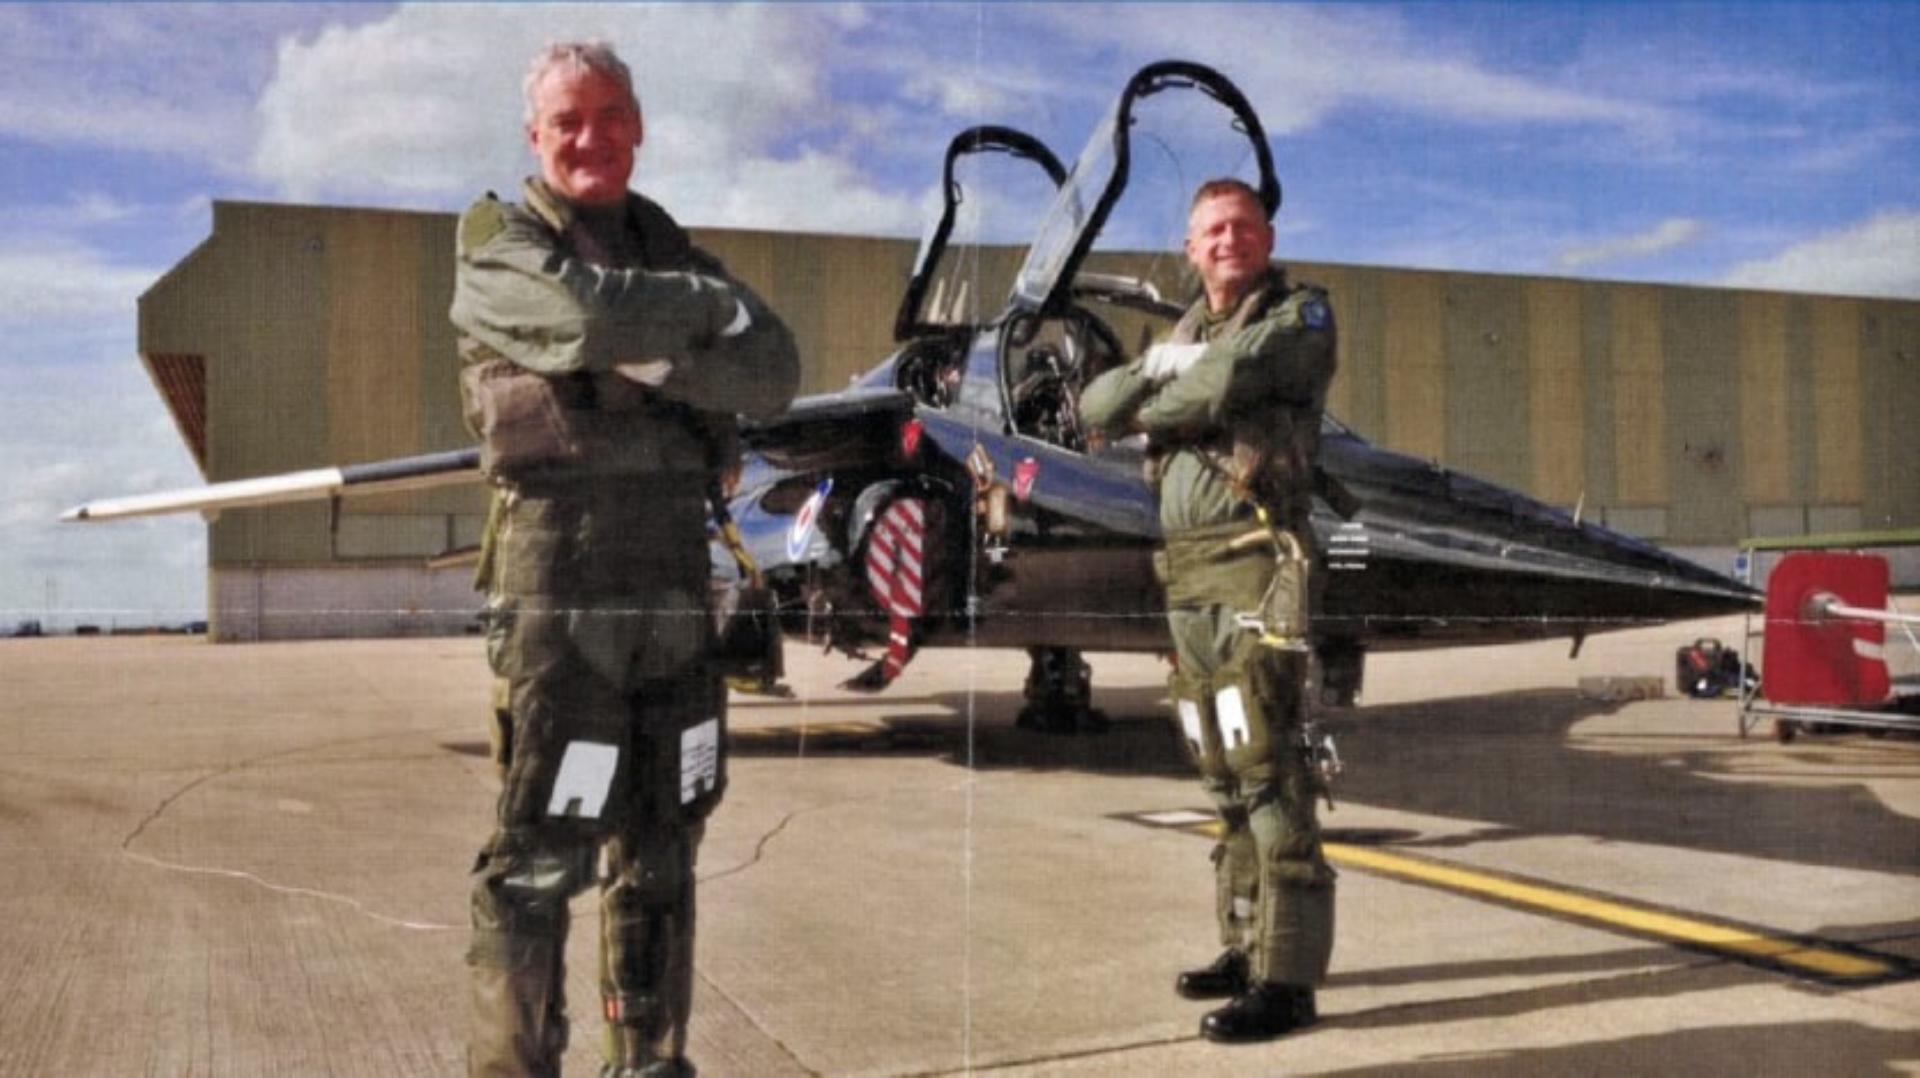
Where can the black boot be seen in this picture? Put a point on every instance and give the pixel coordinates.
(659, 1068)
(1261, 1013)
(1226, 976)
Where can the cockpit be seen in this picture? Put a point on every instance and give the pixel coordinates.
(1030, 372)
(1067, 315)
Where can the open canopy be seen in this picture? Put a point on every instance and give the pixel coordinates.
(934, 302)
(1086, 201)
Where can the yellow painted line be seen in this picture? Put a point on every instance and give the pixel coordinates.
(1686, 930)
(1643, 920)
(850, 728)
(821, 729)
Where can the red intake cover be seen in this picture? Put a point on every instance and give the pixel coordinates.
(1819, 660)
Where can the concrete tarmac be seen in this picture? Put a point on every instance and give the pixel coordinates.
(251, 860)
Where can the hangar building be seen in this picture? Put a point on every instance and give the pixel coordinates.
(301, 336)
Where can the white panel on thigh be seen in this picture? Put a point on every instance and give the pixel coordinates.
(1190, 720)
(586, 777)
(1230, 712)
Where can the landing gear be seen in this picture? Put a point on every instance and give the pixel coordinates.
(1059, 694)
(1338, 670)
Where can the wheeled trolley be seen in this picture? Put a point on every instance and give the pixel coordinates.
(1825, 635)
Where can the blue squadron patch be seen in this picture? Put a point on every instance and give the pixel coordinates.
(1315, 314)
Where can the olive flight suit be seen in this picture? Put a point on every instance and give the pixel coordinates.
(597, 571)
(1232, 437)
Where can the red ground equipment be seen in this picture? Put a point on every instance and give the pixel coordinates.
(1824, 639)
(1813, 655)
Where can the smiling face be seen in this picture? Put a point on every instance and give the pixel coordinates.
(585, 129)
(1229, 242)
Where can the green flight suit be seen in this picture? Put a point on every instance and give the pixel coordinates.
(1240, 428)
(597, 572)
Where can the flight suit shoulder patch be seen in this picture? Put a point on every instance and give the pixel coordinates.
(484, 220)
(1307, 308)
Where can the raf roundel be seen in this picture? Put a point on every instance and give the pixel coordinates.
(803, 521)
(1024, 475)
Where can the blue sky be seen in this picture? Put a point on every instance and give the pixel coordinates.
(1766, 145)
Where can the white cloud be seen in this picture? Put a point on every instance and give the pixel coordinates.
(1668, 235)
(1297, 64)
(1877, 257)
(97, 209)
(827, 193)
(78, 430)
(1820, 154)
(78, 420)
(425, 105)
(172, 79)
(41, 285)
(957, 93)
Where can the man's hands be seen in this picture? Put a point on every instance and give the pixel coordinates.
(741, 320)
(1165, 362)
(649, 372)
(653, 372)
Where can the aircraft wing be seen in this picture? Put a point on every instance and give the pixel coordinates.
(818, 432)
(377, 477)
(830, 430)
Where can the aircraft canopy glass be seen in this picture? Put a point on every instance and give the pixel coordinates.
(1072, 211)
(995, 185)
(1155, 148)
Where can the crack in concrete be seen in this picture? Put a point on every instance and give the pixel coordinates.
(166, 803)
(1057, 1057)
(760, 847)
(759, 850)
(286, 889)
(759, 1026)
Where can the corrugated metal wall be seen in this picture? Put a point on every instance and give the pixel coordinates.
(1689, 415)
(1692, 416)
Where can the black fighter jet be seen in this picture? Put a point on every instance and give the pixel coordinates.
(949, 497)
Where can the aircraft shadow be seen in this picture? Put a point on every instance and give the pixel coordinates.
(1140, 739)
(1606, 962)
(1504, 759)
(1823, 1047)
(1624, 975)
(1501, 758)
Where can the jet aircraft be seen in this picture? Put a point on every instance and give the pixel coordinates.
(949, 496)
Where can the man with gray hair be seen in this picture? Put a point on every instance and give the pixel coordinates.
(605, 361)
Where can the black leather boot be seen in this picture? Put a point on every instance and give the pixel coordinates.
(659, 1068)
(1261, 1013)
(1226, 976)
